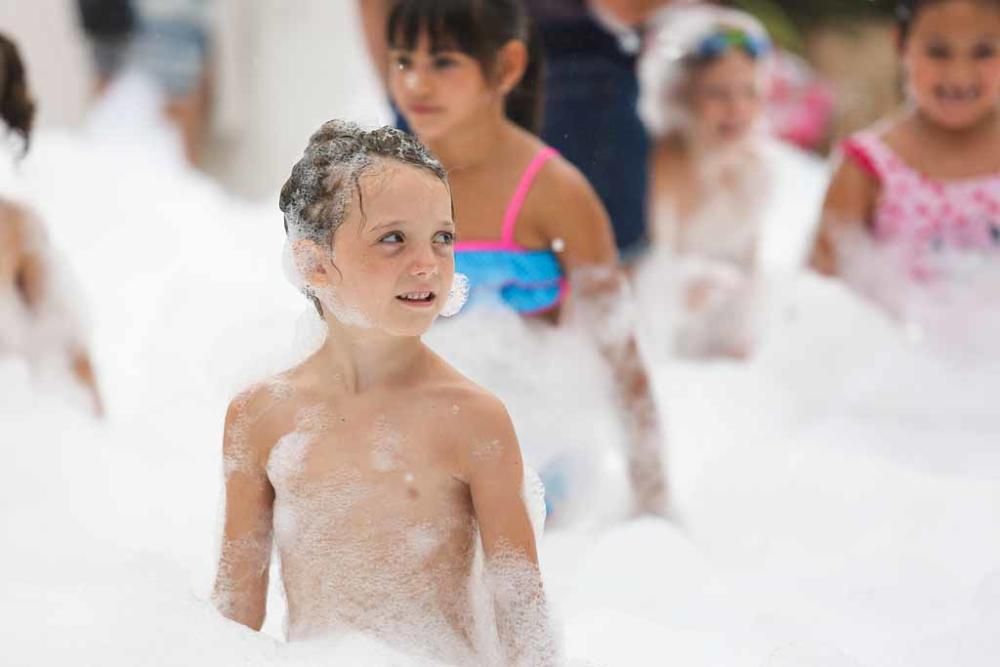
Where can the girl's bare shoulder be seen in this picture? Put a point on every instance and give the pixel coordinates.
(474, 426)
(18, 226)
(561, 198)
(465, 403)
(557, 178)
(266, 410)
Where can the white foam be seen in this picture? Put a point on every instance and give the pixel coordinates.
(837, 495)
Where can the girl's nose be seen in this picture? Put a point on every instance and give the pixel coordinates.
(962, 73)
(424, 263)
(415, 82)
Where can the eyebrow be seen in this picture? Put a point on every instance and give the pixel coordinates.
(434, 52)
(395, 223)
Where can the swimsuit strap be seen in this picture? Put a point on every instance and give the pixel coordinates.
(521, 193)
(869, 152)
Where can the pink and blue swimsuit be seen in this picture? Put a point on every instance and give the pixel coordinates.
(527, 281)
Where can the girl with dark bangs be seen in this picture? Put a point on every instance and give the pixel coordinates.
(35, 321)
(590, 48)
(465, 76)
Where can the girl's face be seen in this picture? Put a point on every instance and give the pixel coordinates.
(437, 91)
(392, 265)
(725, 99)
(952, 62)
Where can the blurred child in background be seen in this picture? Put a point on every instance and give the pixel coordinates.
(36, 320)
(914, 205)
(170, 42)
(466, 78)
(703, 73)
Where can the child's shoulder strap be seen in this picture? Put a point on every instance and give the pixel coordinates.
(521, 193)
(868, 151)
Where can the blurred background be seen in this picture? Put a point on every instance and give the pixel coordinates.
(279, 69)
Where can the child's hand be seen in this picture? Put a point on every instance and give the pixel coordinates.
(97, 404)
(698, 295)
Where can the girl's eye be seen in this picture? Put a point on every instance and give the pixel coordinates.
(938, 52)
(401, 62)
(444, 62)
(392, 238)
(444, 238)
(984, 51)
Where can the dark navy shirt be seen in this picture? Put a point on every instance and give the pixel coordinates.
(590, 116)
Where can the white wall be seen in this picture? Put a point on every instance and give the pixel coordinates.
(56, 57)
(285, 66)
(306, 64)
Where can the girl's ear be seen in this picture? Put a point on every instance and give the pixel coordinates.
(512, 61)
(312, 264)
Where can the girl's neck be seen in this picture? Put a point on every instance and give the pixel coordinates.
(959, 137)
(472, 144)
(365, 357)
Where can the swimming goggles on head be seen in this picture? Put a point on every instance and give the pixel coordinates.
(718, 43)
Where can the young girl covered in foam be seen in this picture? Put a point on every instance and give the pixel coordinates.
(36, 323)
(466, 77)
(374, 466)
(703, 73)
(914, 205)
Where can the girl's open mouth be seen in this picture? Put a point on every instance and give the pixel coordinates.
(417, 298)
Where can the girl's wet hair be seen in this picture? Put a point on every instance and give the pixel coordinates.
(16, 106)
(317, 195)
(479, 29)
(908, 10)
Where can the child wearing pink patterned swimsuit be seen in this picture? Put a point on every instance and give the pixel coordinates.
(925, 186)
(924, 216)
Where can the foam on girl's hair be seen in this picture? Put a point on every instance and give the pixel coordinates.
(665, 65)
(317, 195)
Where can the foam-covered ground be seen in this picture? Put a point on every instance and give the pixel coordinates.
(837, 497)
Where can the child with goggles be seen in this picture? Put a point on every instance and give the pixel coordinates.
(703, 77)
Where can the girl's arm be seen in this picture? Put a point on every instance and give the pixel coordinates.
(240, 591)
(666, 177)
(83, 371)
(495, 474)
(31, 279)
(569, 211)
(848, 207)
(374, 16)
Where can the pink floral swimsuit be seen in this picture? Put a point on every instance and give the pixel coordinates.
(923, 216)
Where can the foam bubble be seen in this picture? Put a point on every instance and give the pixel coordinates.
(457, 296)
(386, 445)
(837, 490)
